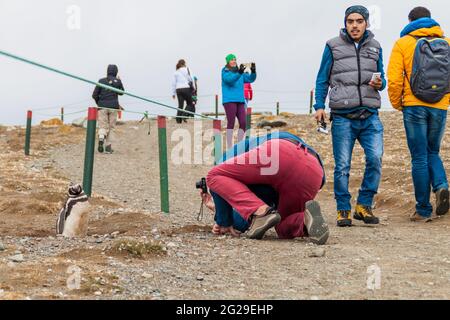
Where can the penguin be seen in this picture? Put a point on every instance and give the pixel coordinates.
(74, 216)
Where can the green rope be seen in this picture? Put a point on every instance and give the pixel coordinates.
(58, 115)
(96, 83)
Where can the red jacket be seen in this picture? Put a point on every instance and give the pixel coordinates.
(248, 91)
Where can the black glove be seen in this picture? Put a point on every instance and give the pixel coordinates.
(242, 69)
(253, 68)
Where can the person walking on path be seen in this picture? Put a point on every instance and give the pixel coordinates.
(183, 88)
(424, 121)
(108, 104)
(352, 65)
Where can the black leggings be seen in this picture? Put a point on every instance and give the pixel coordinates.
(184, 95)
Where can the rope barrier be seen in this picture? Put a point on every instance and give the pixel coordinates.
(66, 74)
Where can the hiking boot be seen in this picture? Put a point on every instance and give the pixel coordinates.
(344, 218)
(415, 217)
(442, 202)
(315, 224)
(101, 145)
(364, 213)
(109, 150)
(261, 224)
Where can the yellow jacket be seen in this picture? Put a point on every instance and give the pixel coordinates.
(401, 61)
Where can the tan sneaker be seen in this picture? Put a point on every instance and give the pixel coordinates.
(261, 224)
(415, 217)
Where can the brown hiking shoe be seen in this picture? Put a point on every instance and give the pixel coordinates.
(415, 217)
(261, 224)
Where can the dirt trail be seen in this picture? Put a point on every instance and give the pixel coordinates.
(184, 260)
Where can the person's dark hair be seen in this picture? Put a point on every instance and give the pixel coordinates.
(419, 12)
(181, 64)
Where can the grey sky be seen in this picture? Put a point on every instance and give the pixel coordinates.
(146, 38)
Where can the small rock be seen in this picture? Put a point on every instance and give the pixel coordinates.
(2, 246)
(17, 258)
(98, 293)
(317, 253)
(181, 255)
(200, 278)
(172, 245)
(147, 276)
(115, 234)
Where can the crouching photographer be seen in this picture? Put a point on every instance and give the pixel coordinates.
(294, 185)
(228, 220)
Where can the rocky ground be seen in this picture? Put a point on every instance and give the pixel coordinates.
(135, 252)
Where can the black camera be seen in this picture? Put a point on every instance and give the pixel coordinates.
(202, 185)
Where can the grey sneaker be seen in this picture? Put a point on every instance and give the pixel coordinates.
(442, 202)
(315, 224)
(261, 224)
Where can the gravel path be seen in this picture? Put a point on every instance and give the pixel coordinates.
(413, 259)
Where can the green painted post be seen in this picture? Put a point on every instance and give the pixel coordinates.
(217, 106)
(28, 133)
(249, 123)
(62, 115)
(311, 101)
(163, 164)
(278, 108)
(90, 151)
(218, 151)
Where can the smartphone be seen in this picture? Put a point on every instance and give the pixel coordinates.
(376, 76)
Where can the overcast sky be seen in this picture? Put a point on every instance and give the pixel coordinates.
(145, 39)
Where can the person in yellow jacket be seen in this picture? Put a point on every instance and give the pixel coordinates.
(424, 122)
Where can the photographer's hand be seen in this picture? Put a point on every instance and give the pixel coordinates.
(208, 201)
(253, 68)
(242, 69)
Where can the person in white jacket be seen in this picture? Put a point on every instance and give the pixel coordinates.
(183, 87)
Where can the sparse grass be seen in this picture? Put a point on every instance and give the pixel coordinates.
(139, 249)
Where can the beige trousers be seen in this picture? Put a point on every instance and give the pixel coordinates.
(107, 123)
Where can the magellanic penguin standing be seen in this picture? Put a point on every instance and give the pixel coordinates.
(73, 217)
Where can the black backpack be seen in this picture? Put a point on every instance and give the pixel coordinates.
(430, 77)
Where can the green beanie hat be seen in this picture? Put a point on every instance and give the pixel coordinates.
(230, 57)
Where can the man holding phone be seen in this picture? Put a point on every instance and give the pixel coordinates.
(352, 65)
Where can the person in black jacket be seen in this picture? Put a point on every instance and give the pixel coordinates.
(110, 101)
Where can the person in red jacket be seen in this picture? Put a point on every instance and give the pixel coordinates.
(248, 94)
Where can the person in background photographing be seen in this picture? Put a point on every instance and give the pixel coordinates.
(233, 80)
(109, 100)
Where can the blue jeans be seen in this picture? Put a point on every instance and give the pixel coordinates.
(369, 133)
(226, 216)
(425, 128)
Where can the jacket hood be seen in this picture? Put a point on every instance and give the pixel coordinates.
(424, 27)
(368, 35)
(112, 70)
